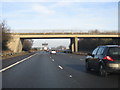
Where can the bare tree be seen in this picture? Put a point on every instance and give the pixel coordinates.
(90, 44)
(5, 32)
(61, 47)
(0, 37)
(94, 31)
(27, 44)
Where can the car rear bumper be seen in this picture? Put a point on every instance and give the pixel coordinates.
(113, 68)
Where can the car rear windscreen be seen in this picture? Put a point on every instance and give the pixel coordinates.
(114, 52)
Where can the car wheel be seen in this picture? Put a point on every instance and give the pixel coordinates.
(102, 71)
(87, 66)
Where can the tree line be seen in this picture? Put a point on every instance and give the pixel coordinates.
(90, 44)
(6, 36)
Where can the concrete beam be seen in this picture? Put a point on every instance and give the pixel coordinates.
(68, 36)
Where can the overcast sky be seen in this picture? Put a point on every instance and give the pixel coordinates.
(39, 16)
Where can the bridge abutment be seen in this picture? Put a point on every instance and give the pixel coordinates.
(15, 44)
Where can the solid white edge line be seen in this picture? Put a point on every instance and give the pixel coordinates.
(17, 63)
(60, 67)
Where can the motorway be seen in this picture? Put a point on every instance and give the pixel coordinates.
(44, 70)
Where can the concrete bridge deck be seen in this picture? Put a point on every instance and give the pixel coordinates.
(66, 35)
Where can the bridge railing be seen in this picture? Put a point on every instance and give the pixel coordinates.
(67, 33)
(57, 32)
(46, 31)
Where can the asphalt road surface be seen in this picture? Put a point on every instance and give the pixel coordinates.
(44, 70)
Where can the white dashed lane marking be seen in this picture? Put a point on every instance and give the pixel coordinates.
(53, 60)
(60, 67)
(82, 59)
(70, 76)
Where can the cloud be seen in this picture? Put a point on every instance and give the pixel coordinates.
(42, 9)
(16, 14)
(78, 16)
(61, 4)
(27, 11)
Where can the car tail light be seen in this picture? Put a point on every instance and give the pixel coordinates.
(108, 58)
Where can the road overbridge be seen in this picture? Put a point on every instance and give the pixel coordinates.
(16, 42)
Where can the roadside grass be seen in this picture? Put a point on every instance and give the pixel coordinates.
(9, 54)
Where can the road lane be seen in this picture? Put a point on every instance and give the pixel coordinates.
(10, 61)
(75, 65)
(37, 72)
(16, 63)
(55, 71)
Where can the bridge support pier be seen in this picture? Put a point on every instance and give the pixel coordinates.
(74, 44)
(15, 44)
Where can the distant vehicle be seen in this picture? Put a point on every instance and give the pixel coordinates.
(53, 52)
(105, 59)
(45, 49)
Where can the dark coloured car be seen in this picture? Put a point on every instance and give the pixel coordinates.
(105, 59)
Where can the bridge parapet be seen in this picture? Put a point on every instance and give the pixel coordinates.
(66, 33)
